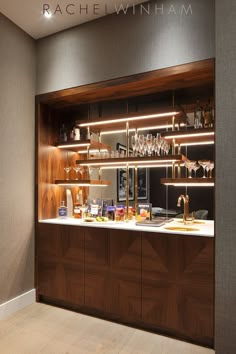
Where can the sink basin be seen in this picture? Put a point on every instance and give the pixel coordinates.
(179, 228)
(192, 222)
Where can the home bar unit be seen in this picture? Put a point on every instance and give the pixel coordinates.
(136, 136)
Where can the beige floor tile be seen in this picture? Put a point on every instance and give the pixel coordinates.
(43, 329)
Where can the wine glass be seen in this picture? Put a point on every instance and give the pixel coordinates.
(211, 167)
(67, 169)
(78, 170)
(149, 142)
(141, 143)
(196, 168)
(204, 164)
(190, 165)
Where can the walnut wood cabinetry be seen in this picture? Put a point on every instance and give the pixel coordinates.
(178, 284)
(155, 281)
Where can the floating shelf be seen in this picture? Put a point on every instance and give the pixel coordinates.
(188, 182)
(139, 121)
(191, 136)
(83, 183)
(81, 145)
(146, 161)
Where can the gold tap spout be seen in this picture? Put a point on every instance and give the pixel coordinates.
(185, 199)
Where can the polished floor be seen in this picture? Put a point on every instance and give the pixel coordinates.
(39, 328)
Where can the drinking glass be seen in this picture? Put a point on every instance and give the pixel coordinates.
(190, 166)
(196, 168)
(211, 167)
(78, 170)
(67, 169)
(141, 144)
(204, 164)
(134, 144)
(149, 142)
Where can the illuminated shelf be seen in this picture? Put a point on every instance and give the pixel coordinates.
(83, 183)
(82, 145)
(188, 182)
(145, 161)
(191, 136)
(154, 120)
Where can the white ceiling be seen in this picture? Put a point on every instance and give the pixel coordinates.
(28, 14)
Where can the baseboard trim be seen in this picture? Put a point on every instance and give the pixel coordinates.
(16, 304)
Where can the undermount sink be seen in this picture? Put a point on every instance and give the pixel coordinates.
(193, 222)
(179, 228)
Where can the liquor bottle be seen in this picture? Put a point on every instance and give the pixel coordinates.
(198, 116)
(63, 135)
(78, 211)
(208, 115)
(62, 211)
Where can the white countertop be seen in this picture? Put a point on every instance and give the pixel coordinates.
(204, 228)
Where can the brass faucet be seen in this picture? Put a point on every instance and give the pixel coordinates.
(186, 216)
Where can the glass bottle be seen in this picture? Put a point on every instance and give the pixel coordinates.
(208, 115)
(63, 135)
(198, 116)
(78, 212)
(62, 211)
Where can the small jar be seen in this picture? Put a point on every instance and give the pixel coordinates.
(120, 213)
(110, 213)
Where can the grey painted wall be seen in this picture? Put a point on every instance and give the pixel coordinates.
(117, 46)
(17, 90)
(225, 179)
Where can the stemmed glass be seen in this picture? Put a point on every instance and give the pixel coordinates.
(211, 167)
(190, 166)
(204, 164)
(78, 170)
(196, 168)
(149, 142)
(134, 144)
(67, 169)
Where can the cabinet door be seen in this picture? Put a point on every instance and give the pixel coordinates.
(73, 264)
(97, 269)
(48, 261)
(60, 263)
(125, 275)
(177, 285)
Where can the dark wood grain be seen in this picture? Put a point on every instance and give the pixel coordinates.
(178, 285)
(187, 75)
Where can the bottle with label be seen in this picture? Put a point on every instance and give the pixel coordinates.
(62, 211)
(78, 210)
(198, 116)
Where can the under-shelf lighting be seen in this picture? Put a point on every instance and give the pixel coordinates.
(191, 135)
(129, 119)
(82, 184)
(91, 151)
(73, 145)
(156, 127)
(197, 143)
(207, 184)
(133, 166)
(117, 163)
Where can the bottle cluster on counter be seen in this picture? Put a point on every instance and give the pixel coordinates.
(103, 210)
